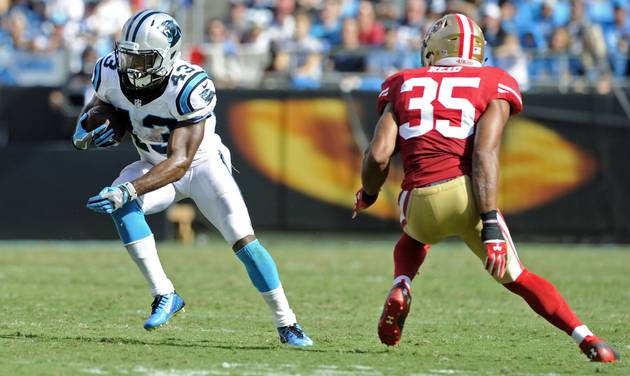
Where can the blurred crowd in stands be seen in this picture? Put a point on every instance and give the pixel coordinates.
(557, 42)
(318, 43)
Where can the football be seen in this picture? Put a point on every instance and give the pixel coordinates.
(99, 114)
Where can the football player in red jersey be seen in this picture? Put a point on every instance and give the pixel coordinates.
(446, 121)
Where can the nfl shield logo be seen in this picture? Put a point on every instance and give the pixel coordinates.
(137, 103)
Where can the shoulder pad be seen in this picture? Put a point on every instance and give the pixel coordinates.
(104, 70)
(197, 93)
(388, 92)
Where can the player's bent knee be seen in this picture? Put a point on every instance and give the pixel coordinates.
(130, 223)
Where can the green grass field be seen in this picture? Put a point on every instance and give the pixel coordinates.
(74, 308)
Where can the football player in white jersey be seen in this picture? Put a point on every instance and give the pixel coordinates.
(169, 105)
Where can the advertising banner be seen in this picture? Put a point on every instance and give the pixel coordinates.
(297, 155)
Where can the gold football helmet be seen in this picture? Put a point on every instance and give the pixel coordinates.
(453, 40)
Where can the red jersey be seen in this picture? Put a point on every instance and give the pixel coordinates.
(436, 109)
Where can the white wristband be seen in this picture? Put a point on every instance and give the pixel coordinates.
(131, 190)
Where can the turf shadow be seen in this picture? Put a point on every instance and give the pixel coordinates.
(129, 341)
(207, 344)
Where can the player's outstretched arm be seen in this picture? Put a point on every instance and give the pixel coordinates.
(375, 165)
(485, 180)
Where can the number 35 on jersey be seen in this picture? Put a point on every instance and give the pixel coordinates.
(448, 100)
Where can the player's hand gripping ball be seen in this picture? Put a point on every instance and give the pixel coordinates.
(99, 127)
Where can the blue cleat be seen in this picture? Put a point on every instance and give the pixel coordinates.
(294, 336)
(163, 308)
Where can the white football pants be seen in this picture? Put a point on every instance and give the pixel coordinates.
(210, 184)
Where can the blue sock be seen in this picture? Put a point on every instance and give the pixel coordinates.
(130, 223)
(260, 266)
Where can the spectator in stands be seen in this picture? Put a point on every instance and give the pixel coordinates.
(301, 56)
(283, 24)
(256, 40)
(219, 38)
(19, 31)
(386, 61)
(51, 39)
(371, 31)
(491, 25)
(388, 12)
(559, 65)
(412, 30)
(237, 23)
(545, 23)
(598, 34)
(350, 56)
(220, 54)
(588, 43)
(617, 38)
(508, 12)
(254, 56)
(328, 25)
(510, 57)
(78, 89)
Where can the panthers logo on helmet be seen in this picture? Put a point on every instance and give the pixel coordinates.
(171, 30)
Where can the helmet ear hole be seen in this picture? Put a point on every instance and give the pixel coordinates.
(427, 56)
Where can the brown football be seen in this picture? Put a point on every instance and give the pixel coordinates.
(99, 114)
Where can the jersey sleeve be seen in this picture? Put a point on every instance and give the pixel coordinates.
(196, 99)
(507, 89)
(97, 78)
(387, 93)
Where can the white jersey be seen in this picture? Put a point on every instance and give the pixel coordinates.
(189, 97)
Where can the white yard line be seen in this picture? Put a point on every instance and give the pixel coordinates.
(94, 371)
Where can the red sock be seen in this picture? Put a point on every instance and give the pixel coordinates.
(409, 254)
(545, 300)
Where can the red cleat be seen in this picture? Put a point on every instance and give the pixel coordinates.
(395, 312)
(598, 351)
